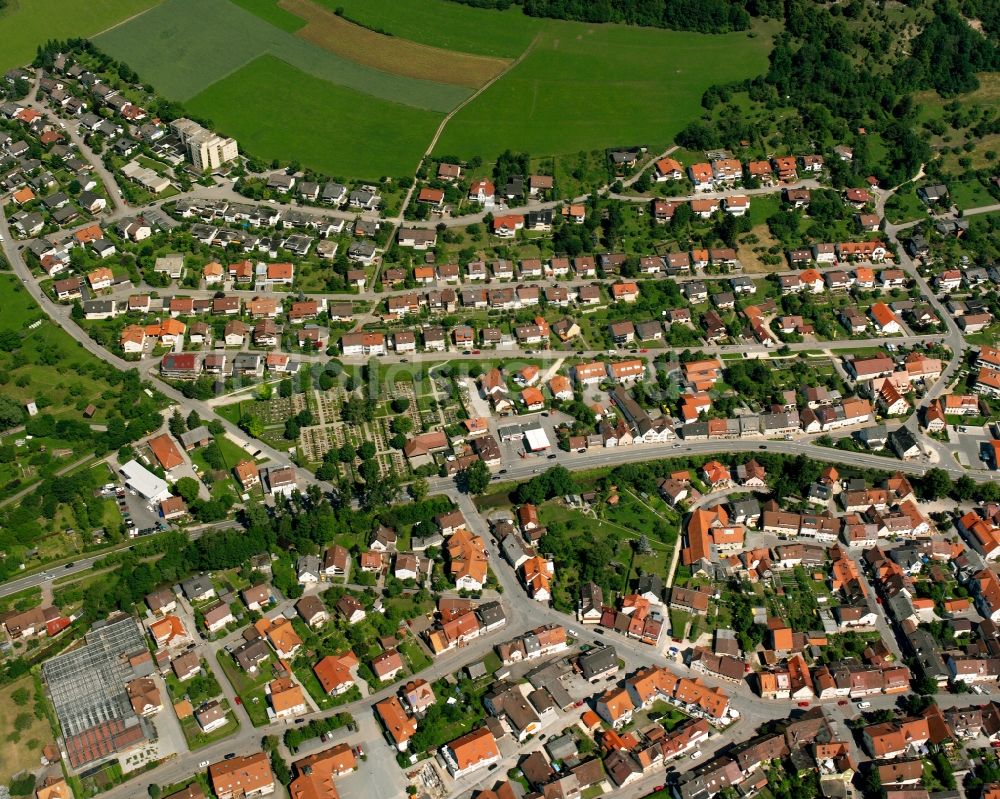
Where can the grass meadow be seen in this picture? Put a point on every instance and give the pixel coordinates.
(586, 87)
(24, 733)
(49, 362)
(25, 24)
(184, 46)
(950, 143)
(330, 128)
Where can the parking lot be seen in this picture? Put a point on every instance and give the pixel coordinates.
(140, 517)
(972, 442)
(374, 778)
(547, 420)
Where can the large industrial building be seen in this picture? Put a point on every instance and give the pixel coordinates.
(87, 687)
(144, 482)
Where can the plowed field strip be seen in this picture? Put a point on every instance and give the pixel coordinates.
(388, 53)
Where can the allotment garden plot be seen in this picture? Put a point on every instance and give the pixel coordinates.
(330, 431)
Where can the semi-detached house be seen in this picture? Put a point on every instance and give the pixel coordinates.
(363, 344)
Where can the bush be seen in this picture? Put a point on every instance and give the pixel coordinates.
(23, 785)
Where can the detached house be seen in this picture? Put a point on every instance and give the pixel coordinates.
(482, 191)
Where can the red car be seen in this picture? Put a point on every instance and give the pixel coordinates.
(842, 702)
(995, 744)
(238, 701)
(803, 704)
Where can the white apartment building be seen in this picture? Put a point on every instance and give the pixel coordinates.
(206, 149)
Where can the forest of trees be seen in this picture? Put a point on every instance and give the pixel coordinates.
(988, 14)
(813, 69)
(704, 16)
(948, 53)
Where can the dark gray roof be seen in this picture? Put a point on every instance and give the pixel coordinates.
(490, 613)
(746, 507)
(199, 584)
(650, 583)
(597, 661)
(562, 747)
(195, 436)
(902, 439)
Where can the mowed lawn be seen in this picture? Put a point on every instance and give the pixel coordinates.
(446, 24)
(276, 111)
(29, 23)
(591, 87)
(182, 47)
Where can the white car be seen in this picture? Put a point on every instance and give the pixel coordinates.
(864, 705)
(696, 754)
(203, 764)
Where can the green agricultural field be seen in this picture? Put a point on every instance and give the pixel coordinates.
(587, 87)
(25, 24)
(240, 65)
(445, 24)
(329, 128)
(183, 47)
(269, 11)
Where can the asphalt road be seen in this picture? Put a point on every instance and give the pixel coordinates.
(66, 567)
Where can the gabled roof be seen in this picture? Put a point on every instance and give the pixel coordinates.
(165, 451)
